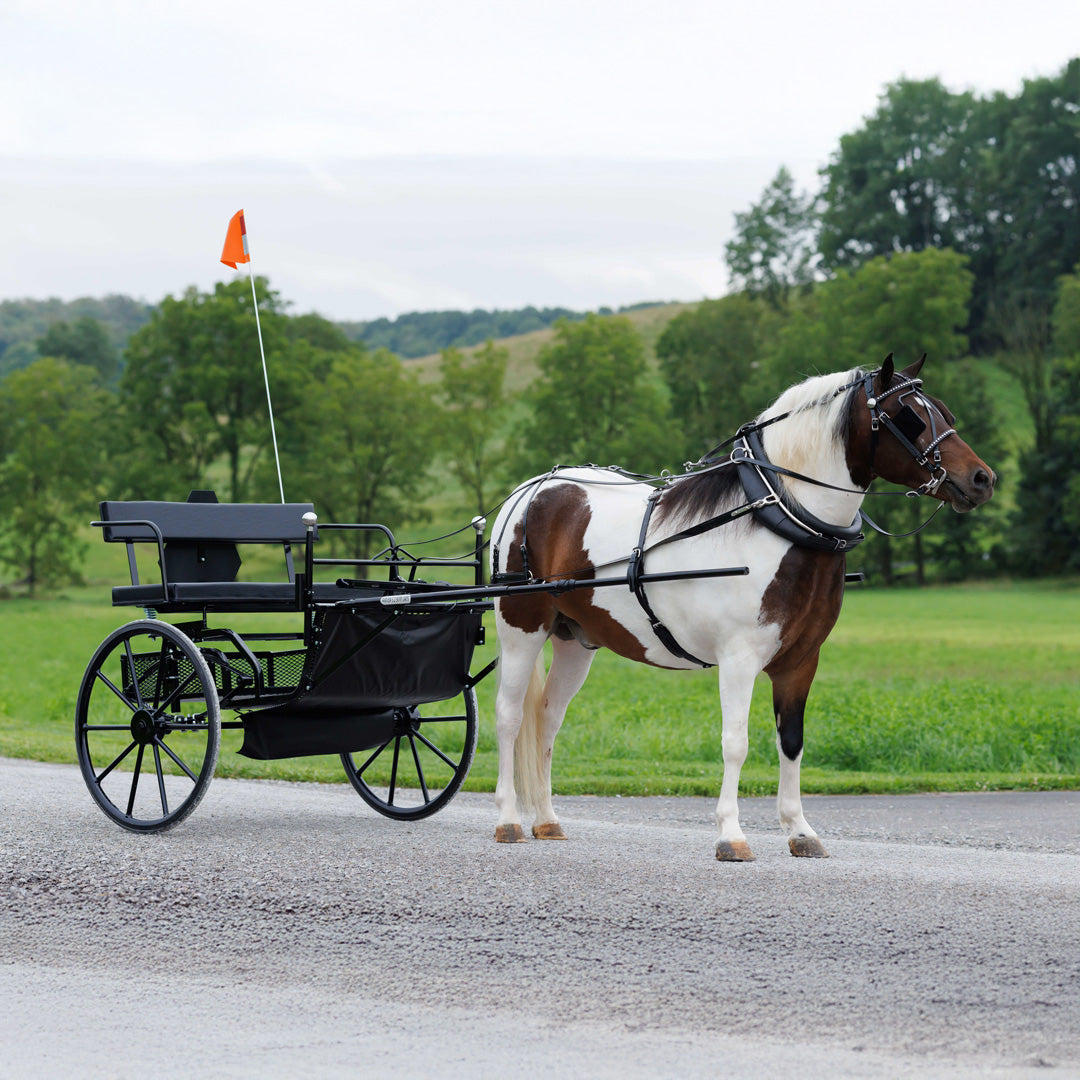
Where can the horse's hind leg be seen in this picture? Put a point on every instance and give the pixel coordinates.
(569, 667)
(519, 654)
(790, 689)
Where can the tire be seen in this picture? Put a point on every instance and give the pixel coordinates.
(147, 745)
(419, 768)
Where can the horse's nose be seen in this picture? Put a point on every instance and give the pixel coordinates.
(982, 480)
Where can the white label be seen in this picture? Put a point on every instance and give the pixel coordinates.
(393, 599)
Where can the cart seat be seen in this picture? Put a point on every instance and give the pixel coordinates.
(226, 595)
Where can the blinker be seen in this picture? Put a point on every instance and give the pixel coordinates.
(908, 423)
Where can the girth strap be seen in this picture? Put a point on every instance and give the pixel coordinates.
(633, 578)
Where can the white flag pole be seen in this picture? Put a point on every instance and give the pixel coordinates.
(266, 381)
(236, 250)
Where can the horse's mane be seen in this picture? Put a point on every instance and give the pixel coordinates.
(817, 426)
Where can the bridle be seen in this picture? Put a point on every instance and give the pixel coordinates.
(906, 426)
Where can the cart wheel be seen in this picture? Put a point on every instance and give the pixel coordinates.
(420, 767)
(147, 726)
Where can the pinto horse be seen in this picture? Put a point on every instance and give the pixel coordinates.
(785, 505)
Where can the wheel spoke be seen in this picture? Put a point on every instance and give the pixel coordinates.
(117, 760)
(443, 719)
(134, 674)
(393, 770)
(419, 770)
(168, 750)
(119, 693)
(360, 771)
(160, 780)
(135, 779)
(434, 749)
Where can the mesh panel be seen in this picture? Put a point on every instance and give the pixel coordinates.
(281, 671)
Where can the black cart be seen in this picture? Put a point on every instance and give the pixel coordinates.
(377, 669)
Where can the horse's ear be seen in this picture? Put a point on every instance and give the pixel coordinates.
(913, 371)
(885, 375)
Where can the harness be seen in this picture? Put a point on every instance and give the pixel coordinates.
(767, 499)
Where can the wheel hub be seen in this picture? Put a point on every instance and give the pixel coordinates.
(406, 720)
(142, 727)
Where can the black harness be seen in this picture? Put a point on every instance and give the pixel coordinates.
(767, 499)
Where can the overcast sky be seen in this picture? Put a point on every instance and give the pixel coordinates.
(425, 154)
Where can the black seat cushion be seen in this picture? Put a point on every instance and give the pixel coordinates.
(223, 595)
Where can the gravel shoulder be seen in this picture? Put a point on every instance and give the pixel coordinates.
(286, 927)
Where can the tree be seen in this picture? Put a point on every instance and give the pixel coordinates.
(1021, 324)
(83, 342)
(359, 441)
(593, 402)
(711, 358)
(193, 386)
(1037, 172)
(996, 178)
(773, 250)
(474, 404)
(1045, 532)
(50, 467)
(908, 304)
(891, 185)
(317, 331)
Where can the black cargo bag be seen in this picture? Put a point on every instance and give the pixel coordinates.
(364, 665)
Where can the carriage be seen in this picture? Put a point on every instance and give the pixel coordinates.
(385, 685)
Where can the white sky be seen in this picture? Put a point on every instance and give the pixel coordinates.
(421, 154)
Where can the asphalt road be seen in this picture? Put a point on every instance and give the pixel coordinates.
(287, 929)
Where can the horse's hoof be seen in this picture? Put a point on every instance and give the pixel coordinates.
(510, 834)
(550, 830)
(734, 851)
(807, 847)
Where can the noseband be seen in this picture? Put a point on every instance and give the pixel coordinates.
(906, 426)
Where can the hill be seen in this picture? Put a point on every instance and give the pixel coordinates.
(649, 319)
(422, 333)
(23, 321)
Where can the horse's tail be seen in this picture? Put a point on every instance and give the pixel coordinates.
(528, 751)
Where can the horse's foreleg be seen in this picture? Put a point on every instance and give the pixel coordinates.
(736, 689)
(790, 690)
(518, 656)
(570, 664)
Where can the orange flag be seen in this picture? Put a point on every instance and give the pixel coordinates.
(236, 242)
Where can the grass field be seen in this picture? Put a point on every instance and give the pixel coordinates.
(960, 688)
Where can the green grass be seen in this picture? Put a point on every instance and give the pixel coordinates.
(960, 688)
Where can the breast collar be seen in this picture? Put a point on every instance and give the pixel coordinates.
(778, 511)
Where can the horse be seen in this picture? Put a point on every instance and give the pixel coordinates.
(785, 504)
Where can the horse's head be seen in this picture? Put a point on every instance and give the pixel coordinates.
(905, 436)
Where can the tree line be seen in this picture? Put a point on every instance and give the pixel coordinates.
(104, 326)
